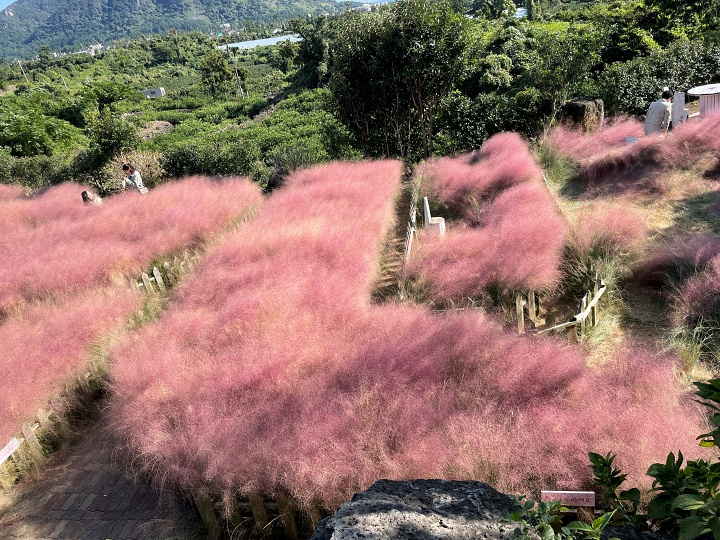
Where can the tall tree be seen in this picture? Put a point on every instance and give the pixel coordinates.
(216, 73)
(391, 70)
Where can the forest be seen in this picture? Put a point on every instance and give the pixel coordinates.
(305, 158)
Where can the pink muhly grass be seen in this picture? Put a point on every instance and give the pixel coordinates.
(516, 233)
(583, 147)
(698, 300)
(672, 264)
(266, 375)
(466, 182)
(604, 156)
(55, 243)
(45, 345)
(610, 227)
(10, 192)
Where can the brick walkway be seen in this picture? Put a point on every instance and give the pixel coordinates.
(84, 495)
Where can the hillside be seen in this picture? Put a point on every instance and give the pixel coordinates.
(69, 25)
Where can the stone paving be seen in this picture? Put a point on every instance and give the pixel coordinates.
(84, 495)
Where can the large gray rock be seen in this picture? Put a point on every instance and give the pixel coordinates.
(420, 509)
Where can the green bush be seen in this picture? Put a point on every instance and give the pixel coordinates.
(33, 172)
(210, 158)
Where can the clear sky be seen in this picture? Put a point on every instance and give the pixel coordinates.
(5, 3)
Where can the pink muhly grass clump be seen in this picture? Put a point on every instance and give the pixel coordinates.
(465, 183)
(10, 192)
(55, 243)
(610, 227)
(274, 298)
(516, 234)
(698, 299)
(671, 265)
(45, 344)
(266, 375)
(604, 155)
(584, 147)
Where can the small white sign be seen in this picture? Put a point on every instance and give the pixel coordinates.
(8, 450)
(570, 498)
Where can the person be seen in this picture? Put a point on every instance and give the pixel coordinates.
(132, 178)
(658, 116)
(90, 198)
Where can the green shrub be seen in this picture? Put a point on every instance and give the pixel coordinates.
(237, 158)
(33, 172)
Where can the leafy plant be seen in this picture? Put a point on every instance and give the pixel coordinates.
(626, 503)
(687, 502)
(590, 532)
(542, 520)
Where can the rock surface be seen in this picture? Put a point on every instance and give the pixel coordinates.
(420, 509)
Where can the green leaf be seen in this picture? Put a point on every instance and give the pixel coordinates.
(546, 532)
(692, 527)
(714, 524)
(603, 520)
(579, 526)
(660, 507)
(688, 501)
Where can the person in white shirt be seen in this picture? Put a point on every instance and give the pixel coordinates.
(132, 178)
(659, 114)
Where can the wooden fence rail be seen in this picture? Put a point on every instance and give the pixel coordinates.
(588, 315)
(412, 221)
(259, 517)
(9, 462)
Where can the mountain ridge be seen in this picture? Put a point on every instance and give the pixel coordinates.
(25, 25)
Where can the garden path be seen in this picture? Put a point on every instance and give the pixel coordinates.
(84, 494)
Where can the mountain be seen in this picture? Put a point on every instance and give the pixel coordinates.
(25, 25)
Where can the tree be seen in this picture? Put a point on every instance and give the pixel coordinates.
(494, 9)
(313, 51)
(391, 70)
(216, 73)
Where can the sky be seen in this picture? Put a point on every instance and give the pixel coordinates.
(5, 3)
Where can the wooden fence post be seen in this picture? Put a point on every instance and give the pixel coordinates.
(532, 307)
(286, 516)
(257, 505)
(43, 418)
(146, 281)
(158, 279)
(519, 302)
(583, 307)
(35, 448)
(207, 514)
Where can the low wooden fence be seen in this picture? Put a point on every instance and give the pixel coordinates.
(412, 221)
(258, 517)
(22, 450)
(160, 279)
(587, 317)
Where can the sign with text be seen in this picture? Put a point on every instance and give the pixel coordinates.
(8, 450)
(570, 498)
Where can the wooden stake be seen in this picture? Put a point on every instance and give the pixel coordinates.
(286, 516)
(257, 505)
(33, 443)
(532, 308)
(520, 314)
(207, 514)
(583, 306)
(158, 279)
(43, 418)
(572, 334)
(146, 282)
